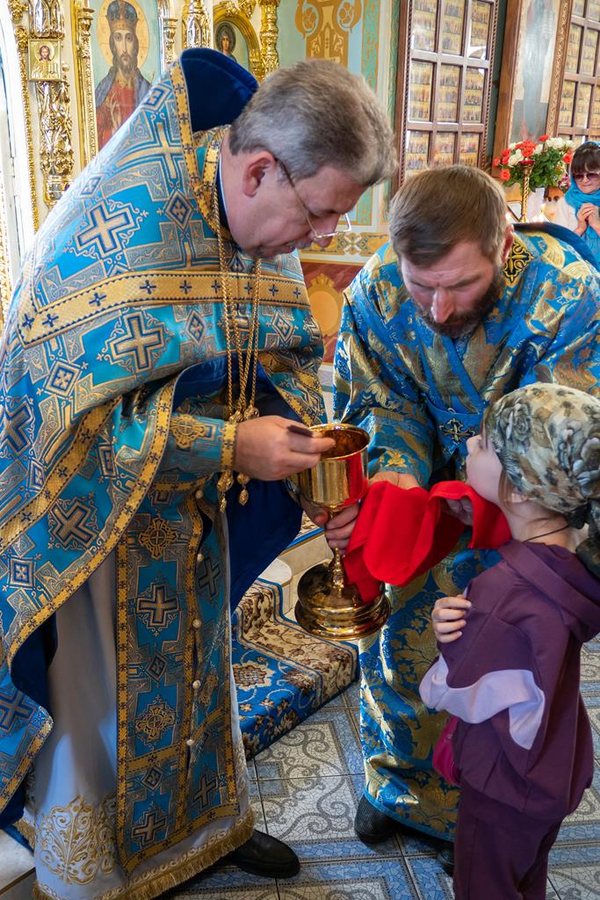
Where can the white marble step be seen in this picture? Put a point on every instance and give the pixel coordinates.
(16, 870)
(305, 554)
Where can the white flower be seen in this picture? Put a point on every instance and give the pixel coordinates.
(512, 146)
(513, 160)
(537, 149)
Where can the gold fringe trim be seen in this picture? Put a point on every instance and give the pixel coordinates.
(183, 872)
(27, 830)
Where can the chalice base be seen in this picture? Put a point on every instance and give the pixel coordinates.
(325, 610)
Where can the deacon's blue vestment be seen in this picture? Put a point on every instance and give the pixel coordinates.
(420, 396)
(117, 706)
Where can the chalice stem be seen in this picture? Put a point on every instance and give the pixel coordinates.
(337, 572)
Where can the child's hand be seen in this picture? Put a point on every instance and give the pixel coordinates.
(462, 509)
(448, 618)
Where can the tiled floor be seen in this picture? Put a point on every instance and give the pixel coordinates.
(306, 788)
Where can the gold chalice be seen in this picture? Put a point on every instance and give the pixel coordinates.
(327, 606)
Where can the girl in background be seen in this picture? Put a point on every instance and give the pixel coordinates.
(510, 647)
(579, 210)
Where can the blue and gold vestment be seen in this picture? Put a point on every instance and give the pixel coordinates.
(420, 396)
(108, 452)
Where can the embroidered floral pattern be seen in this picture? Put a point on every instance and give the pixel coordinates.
(77, 841)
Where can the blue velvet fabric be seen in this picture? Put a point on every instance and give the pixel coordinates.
(221, 87)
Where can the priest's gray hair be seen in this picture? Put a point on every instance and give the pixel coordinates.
(314, 114)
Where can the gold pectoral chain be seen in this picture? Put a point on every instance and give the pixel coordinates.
(244, 408)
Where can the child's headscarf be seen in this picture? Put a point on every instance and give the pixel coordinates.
(547, 437)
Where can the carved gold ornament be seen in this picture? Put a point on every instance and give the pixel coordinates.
(47, 29)
(262, 50)
(195, 25)
(326, 25)
(56, 149)
(82, 25)
(22, 41)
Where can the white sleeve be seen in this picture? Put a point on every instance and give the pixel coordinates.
(511, 689)
(563, 214)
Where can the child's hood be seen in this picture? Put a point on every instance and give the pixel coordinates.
(559, 574)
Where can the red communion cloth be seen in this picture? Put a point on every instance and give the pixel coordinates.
(400, 534)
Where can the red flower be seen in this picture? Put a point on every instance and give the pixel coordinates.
(543, 138)
(567, 158)
(504, 174)
(496, 161)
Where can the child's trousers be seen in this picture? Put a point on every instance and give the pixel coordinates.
(499, 853)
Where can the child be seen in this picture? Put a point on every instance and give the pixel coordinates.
(510, 648)
(580, 209)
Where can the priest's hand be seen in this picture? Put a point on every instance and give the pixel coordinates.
(266, 448)
(448, 618)
(400, 479)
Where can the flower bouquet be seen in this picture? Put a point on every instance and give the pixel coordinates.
(535, 164)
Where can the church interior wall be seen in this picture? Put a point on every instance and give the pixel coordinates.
(56, 120)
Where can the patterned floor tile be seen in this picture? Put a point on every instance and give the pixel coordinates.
(584, 824)
(416, 843)
(305, 789)
(216, 884)
(594, 714)
(576, 882)
(327, 744)
(316, 816)
(430, 880)
(378, 879)
(257, 809)
(351, 695)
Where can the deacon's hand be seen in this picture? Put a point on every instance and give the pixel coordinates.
(337, 528)
(448, 618)
(267, 449)
(400, 479)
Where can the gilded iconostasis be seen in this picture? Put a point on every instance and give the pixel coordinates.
(459, 78)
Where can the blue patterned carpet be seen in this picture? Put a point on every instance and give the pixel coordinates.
(305, 790)
(283, 675)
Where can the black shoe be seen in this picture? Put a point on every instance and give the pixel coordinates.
(371, 825)
(445, 857)
(265, 855)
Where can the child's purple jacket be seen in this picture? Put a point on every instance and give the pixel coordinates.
(513, 679)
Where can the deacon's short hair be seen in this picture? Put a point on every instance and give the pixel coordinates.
(437, 209)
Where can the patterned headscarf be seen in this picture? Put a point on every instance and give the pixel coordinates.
(547, 438)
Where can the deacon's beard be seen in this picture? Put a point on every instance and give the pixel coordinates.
(462, 325)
